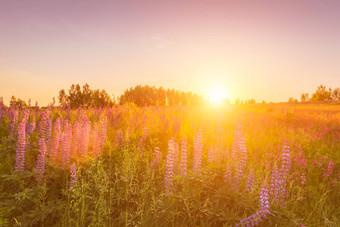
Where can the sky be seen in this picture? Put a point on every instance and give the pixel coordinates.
(267, 50)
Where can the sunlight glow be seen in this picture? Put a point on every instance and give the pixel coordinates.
(217, 95)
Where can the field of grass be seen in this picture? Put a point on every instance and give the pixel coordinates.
(239, 165)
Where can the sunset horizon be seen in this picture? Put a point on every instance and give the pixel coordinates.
(266, 50)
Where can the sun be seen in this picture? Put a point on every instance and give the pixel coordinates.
(217, 95)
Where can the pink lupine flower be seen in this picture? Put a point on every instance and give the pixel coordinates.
(48, 131)
(21, 145)
(56, 140)
(228, 175)
(256, 218)
(169, 168)
(40, 168)
(75, 137)
(250, 181)
(198, 152)
(13, 115)
(95, 141)
(103, 130)
(184, 159)
(157, 158)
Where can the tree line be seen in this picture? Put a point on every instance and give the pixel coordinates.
(321, 94)
(140, 95)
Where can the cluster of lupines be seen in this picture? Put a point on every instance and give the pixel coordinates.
(198, 152)
(40, 168)
(73, 173)
(169, 167)
(258, 217)
(157, 158)
(184, 159)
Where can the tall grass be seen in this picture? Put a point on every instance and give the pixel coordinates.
(266, 165)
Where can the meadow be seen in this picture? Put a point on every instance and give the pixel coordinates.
(234, 165)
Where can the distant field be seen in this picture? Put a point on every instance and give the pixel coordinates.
(234, 165)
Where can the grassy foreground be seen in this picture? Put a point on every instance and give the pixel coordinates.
(277, 164)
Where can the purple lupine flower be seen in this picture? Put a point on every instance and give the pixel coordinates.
(169, 168)
(13, 115)
(142, 139)
(32, 127)
(95, 141)
(103, 130)
(241, 163)
(264, 200)
(85, 134)
(1, 109)
(275, 184)
(176, 158)
(250, 181)
(66, 145)
(284, 171)
(40, 168)
(42, 124)
(184, 159)
(198, 152)
(73, 180)
(255, 219)
(228, 175)
(48, 131)
(212, 155)
(56, 140)
(119, 137)
(21, 145)
(157, 158)
(75, 137)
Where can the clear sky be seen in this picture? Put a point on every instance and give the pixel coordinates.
(267, 50)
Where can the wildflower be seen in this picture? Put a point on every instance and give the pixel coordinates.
(198, 152)
(56, 140)
(183, 163)
(169, 168)
(254, 219)
(329, 171)
(40, 168)
(250, 181)
(21, 145)
(157, 158)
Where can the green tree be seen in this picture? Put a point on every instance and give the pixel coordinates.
(322, 94)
